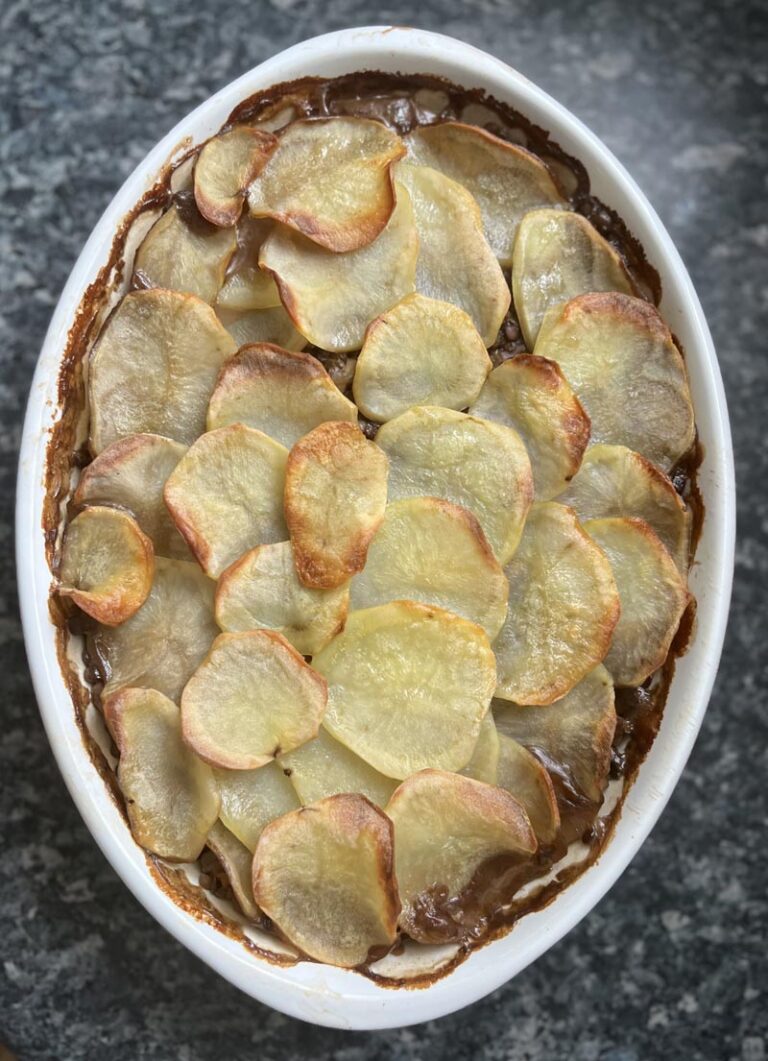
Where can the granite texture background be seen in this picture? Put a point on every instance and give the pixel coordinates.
(672, 964)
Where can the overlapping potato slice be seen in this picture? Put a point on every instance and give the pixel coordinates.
(251, 698)
(474, 463)
(330, 179)
(621, 360)
(107, 564)
(237, 862)
(653, 597)
(170, 795)
(446, 826)
(332, 298)
(251, 799)
(225, 167)
(421, 352)
(335, 495)
(325, 876)
(521, 774)
(531, 395)
(435, 552)
(484, 764)
(563, 607)
(261, 590)
(248, 288)
(455, 262)
(154, 367)
(263, 326)
(408, 686)
(281, 393)
(559, 255)
(324, 767)
(226, 495)
(505, 180)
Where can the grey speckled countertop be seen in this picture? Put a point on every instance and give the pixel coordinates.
(672, 964)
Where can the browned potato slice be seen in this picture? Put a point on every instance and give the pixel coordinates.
(522, 774)
(563, 607)
(324, 875)
(224, 169)
(170, 795)
(619, 357)
(421, 352)
(248, 288)
(237, 861)
(408, 687)
(154, 367)
(324, 767)
(271, 325)
(474, 463)
(251, 698)
(330, 179)
(559, 255)
(251, 799)
(531, 395)
(653, 597)
(335, 495)
(484, 764)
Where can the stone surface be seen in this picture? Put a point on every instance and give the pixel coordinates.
(672, 964)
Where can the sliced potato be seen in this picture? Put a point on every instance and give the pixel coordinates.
(324, 767)
(170, 795)
(226, 495)
(324, 874)
(653, 597)
(251, 698)
(251, 799)
(225, 167)
(262, 326)
(408, 687)
(237, 862)
(521, 774)
(435, 552)
(620, 358)
(335, 495)
(531, 395)
(474, 463)
(484, 764)
(563, 607)
(248, 288)
(107, 564)
(153, 368)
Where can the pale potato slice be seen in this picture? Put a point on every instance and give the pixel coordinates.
(621, 360)
(261, 590)
(484, 764)
(521, 774)
(421, 352)
(330, 179)
(474, 463)
(446, 826)
(171, 796)
(455, 262)
(559, 255)
(281, 393)
(107, 564)
(335, 496)
(153, 368)
(271, 325)
(251, 799)
(251, 698)
(563, 607)
(324, 767)
(435, 552)
(248, 288)
(225, 167)
(132, 473)
(237, 862)
(332, 298)
(653, 597)
(408, 687)
(226, 495)
(505, 180)
(531, 395)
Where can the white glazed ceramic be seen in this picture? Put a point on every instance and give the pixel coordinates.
(313, 992)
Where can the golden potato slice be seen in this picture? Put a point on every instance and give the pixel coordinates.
(563, 607)
(619, 357)
(474, 463)
(261, 590)
(107, 564)
(251, 698)
(153, 368)
(559, 255)
(332, 298)
(653, 597)
(324, 767)
(170, 795)
(335, 495)
(531, 395)
(446, 826)
(408, 687)
(226, 495)
(281, 393)
(262, 326)
(521, 774)
(505, 180)
(237, 862)
(251, 799)
(455, 262)
(224, 169)
(433, 551)
(421, 352)
(330, 179)
(484, 764)
(248, 288)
